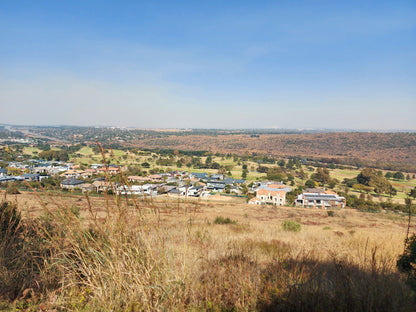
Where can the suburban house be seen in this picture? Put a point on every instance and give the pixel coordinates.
(165, 189)
(137, 179)
(319, 198)
(195, 191)
(131, 189)
(270, 193)
(176, 174)
(255, 201)
(71, 183)
(199, 176)
(74, 173)
(184, 190)
(229, 181)
(101, 186)
(87, 187)
(155, 178)
(31, 176)
(111, 170)
(217, 177)
(274, 197)
(273, 186)
(216, 186)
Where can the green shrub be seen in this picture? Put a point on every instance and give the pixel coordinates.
(331, 213)
(222, 220)
(291, 226)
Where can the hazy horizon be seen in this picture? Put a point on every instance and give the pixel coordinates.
(213, 129)
(207, 65)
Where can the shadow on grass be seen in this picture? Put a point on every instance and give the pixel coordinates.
(332, 286)
(236, 282)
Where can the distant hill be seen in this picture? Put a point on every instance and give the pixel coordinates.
(360, 148)
(388, 150)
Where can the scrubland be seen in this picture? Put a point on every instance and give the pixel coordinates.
(77, 253)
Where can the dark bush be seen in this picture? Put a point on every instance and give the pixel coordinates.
(407, 261)
(291, 226)
(222, 220)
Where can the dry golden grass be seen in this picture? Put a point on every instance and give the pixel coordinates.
(125, 254)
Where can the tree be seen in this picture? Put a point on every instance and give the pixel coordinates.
(371, 178)
(310, 184)
(407, 261)
(290, 164)
(392, 191)
(302, 174)
(208, 161)
(275, 173)
(398, 175)
(62, 156)
(215, 165)
(322, 176)
(244, 188)
(350, 182)
(292, 195)
(365, 176)
(244, 174)
(262, 169)
(228, 189)
(412, 193)
(388, 175)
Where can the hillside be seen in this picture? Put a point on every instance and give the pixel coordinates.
(389, 151)
(105, 254)
(379, 149)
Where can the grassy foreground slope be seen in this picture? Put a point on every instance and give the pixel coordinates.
(117, 254)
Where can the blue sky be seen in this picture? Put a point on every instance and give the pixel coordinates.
(209, 64)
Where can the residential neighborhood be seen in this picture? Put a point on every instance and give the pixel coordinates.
(98, 178)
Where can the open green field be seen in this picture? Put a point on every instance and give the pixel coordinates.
(31, 150)
(87, 151)
(342, 174)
